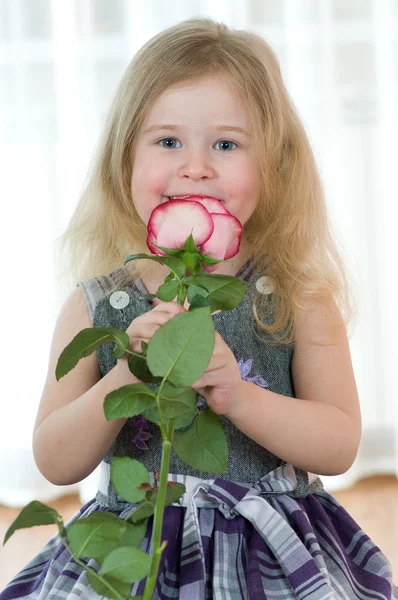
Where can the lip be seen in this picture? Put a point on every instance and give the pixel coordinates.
(190, 196)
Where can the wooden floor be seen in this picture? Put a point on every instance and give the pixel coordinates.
(373, 504)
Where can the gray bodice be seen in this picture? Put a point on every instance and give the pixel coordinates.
(247, 460)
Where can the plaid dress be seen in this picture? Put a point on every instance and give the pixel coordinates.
(264, 530)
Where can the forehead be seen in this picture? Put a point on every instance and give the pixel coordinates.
(211, 97)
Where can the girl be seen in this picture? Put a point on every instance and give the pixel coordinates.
(202, 111)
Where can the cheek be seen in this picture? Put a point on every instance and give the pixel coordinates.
(247, 191)
(247, 181)
(147, 179)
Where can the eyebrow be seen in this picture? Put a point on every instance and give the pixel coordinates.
(177, 127)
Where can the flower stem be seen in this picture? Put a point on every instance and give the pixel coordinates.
(92, 571)
(182, 293)
(167, 431)
(157, 547)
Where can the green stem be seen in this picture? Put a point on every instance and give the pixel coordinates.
(131, 352)
(157, 548)
(182, 294)
(94, 573)
(167, 437)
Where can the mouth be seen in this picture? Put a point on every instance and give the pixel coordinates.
(193, 197)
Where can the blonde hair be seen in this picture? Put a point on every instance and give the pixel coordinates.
(289, 235)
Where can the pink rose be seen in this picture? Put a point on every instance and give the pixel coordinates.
(216, 232)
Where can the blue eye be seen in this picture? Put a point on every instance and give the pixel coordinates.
(226, 145)
(169, 143)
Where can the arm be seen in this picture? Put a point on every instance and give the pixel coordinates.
(71, 434)
(320, 430)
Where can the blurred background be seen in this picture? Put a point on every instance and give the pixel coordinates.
(60, 62)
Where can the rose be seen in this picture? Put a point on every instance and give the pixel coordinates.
(178, 355)
(216, 232)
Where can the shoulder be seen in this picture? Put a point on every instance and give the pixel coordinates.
(74, 309)
(318, 323)
(96, 289)
(321, 366)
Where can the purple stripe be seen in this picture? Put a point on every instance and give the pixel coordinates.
(249, 554)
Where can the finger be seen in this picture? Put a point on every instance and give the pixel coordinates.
(145, 331)
(144, 334)
(169, 307)
(198, 385)
(136, 344)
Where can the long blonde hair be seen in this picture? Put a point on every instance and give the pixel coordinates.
(288, 235)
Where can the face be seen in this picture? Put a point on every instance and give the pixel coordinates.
(197, 140)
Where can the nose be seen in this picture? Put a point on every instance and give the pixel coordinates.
(196, 166)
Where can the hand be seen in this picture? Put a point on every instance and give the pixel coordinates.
(221, 384)
(143, 327)
(141, 330)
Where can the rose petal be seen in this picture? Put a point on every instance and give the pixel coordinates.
(173, 221)
(209, 269)
(211, 204)
(151, 238)
(225, 241)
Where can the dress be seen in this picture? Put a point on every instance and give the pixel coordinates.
(264, 530)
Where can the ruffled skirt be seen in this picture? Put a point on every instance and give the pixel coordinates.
(230, 541)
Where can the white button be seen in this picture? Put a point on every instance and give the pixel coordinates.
(265, 285)
(119, 299)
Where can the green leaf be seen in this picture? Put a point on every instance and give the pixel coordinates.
(197, 269)
(182, 347)
(34, 513)
(134, 534)
(199, 301)
(176, 401)
(169, 251)
(225, 292)
(194, 290)
(152, 414)
(127, 474)
(184, 420)
(168, 291)
(169, 277)
(122, 589)
(209, 261)
(174, 491)
(128, 401)
(144, 510)
(203, 446)
(126, 564)
(85, 343)
(191, 281)
(189, 245)
(94, 536)
(139, 367)
(118, 352)
(178, 404)
(174, 263)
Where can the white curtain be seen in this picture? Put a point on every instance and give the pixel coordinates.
(59, 66)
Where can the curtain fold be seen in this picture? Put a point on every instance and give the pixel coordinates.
(60, 63)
